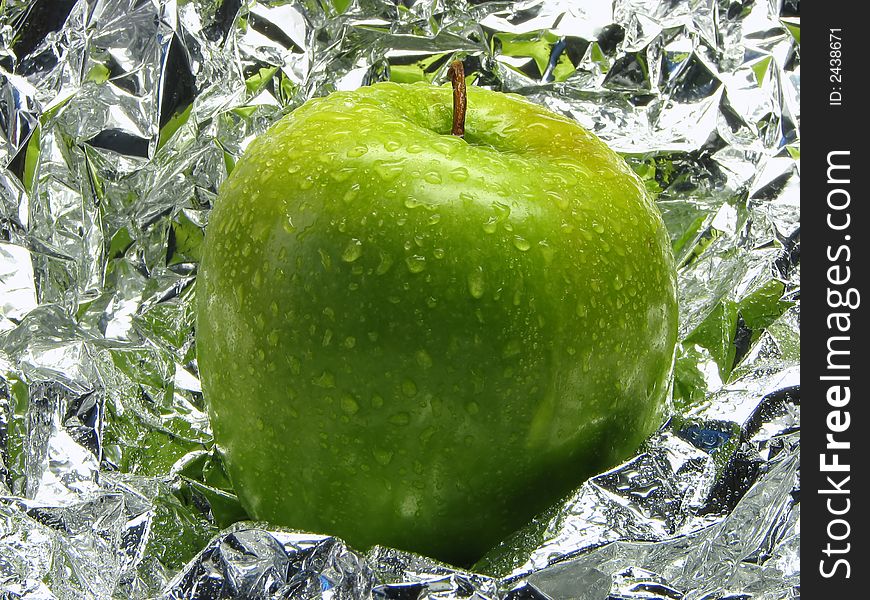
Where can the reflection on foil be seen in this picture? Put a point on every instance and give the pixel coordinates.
(120, 119)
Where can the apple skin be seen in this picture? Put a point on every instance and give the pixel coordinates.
(411, 339)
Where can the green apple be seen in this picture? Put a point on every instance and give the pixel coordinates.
(421, 340)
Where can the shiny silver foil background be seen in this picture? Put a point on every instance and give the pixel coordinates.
(119, 119)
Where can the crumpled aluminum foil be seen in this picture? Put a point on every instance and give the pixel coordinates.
(118, 122)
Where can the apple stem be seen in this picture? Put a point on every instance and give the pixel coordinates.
(460, 99)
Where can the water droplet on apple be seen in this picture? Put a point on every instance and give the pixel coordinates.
(502, 209)
(459, 174)
(389, 170)
(438, 253)
(325, 259)
(560, 200)
(351, 193)
(512, 348)
(416, 263)
(597, 227)
(352, 251)
(385, 263)
(426, 434)
(442, 147)
(326, 380)
(392, 146)
(432, 177)
(434, 219)
(401, 418)
(490, 225)
(357, 151)
(273, 338)
(472, 408)
(307, 183)
(384, 457)
(521, 244)
(349, 405)
(423, 359)
(476, 284)
(288, 225)
(293, 168)
(349, 342)
(295, 365)
(546, 250)
(377, 401)
(409, 388)
(341, 174)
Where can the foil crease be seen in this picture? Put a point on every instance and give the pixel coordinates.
(119, 120)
